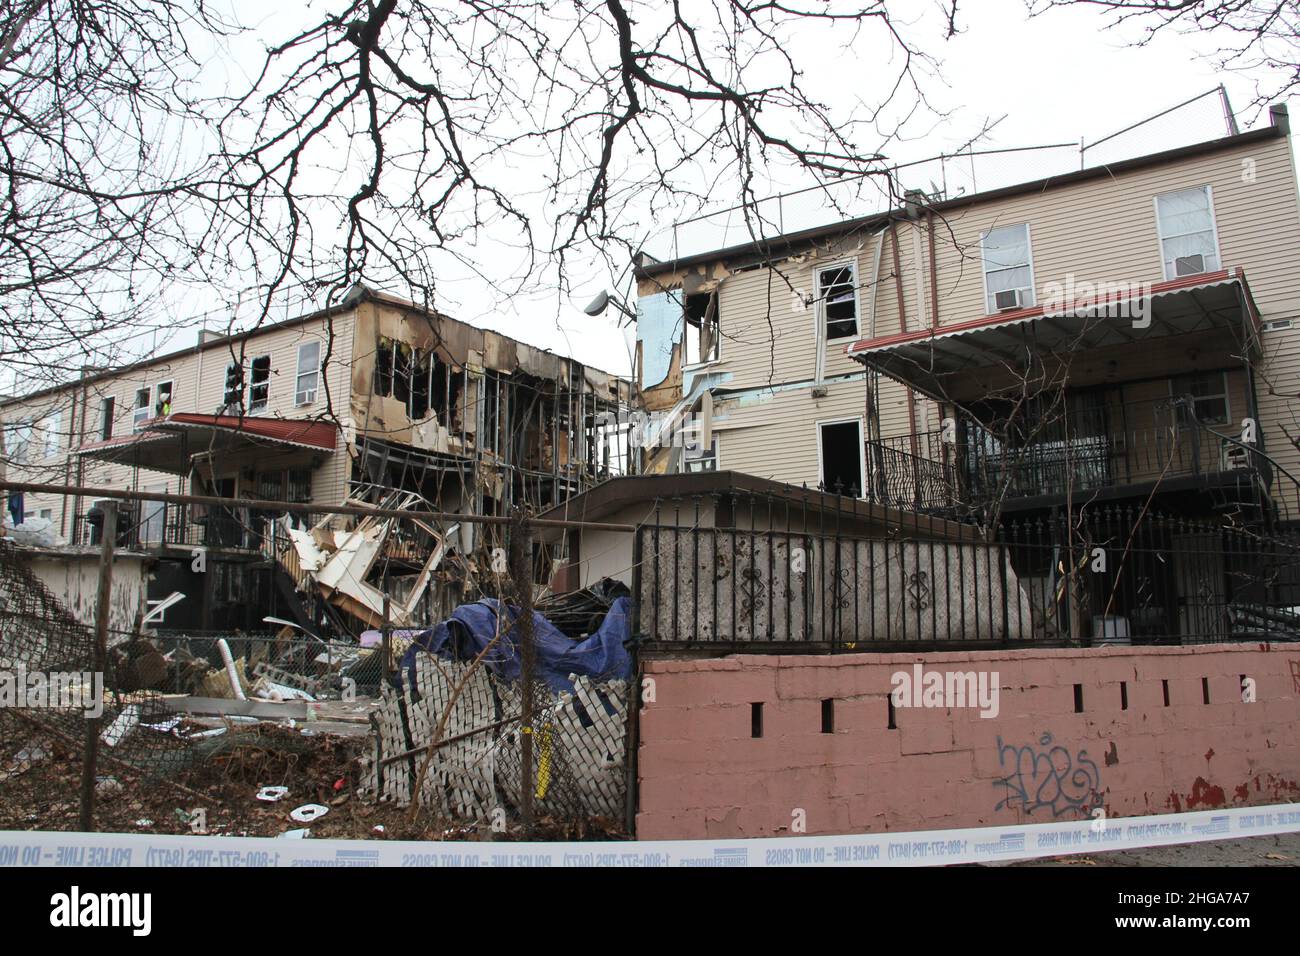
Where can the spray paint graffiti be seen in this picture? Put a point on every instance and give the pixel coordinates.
(1046, 776)
(1295, 675)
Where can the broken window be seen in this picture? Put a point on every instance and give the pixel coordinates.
(491, 410)
(443, 390)
(841, 451)
(837, 290)
(702, 328)
(232, 399)
(299, 485)
(698, 458)
(260, 393)
(384, 367)
(417, 407)
(106, 418)
(403, 366)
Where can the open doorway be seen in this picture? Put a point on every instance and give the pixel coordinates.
(840, 450)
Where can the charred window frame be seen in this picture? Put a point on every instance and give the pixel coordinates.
(383, 367)
(702, 339)
(259, 393)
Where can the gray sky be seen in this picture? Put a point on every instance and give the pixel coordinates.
(1050, 79)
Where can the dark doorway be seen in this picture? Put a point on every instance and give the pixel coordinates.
(842, 458)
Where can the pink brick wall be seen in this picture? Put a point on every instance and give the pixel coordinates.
(703, 774)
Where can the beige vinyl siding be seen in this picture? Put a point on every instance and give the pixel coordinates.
(198, 378)
(774, 434)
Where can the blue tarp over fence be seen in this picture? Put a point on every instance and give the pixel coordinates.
(472, 627)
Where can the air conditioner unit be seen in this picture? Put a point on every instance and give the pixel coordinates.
(1235, 458)
(1189, 265)
(1010, 299)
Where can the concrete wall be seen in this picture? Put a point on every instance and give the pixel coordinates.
(73, 578)
(703, 775)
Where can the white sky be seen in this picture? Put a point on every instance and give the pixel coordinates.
(1055, 79)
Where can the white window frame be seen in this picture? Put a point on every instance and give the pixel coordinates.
(18, 450)
(253, 406)
(823, 333)
(989, 305)
(1226, 394)
(862, 452)
(107, 403)
(302, 397)
(157, 390)
(1160, 235)
(147, 408)
(51, 426)
(687, 329)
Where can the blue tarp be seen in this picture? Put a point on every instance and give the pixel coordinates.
(471, 627)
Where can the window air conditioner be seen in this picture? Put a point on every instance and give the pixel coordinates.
(1010, 299)
(1189, 265)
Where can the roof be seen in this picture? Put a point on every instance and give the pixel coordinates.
(851, 514)
(787, 243)
(357, 296)
(922, 358)
(162, 443)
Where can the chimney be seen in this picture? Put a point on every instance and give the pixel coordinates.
(1278, 117)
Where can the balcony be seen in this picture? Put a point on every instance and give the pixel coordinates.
(163, 525)
(1095, 450)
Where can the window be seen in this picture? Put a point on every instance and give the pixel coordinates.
(232, 398)
(141, 413)
(702, 329)
(384, 367)
(1008, 268)
(1207, 393)
(47, 514)
(697, 458)
(1185, 222)
(259, 395)
(50, 429)
(162, 401)
(840, 452)
(106, 418)
(837, 291)
(18, 442)
(308, 373)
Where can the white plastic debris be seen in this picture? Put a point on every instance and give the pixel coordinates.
(272, 794)
(309, 812)
(296, 834)
(144, 822)
(126, 721)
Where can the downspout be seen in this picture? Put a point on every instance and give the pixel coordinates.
(902, 327)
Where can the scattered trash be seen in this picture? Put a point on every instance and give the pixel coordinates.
(309, 812)
(106, 788)
(378, 828)
(144, 822)
(164, 727)
(126, 721)
(296, 834)
(1277, 856)
(272, 794)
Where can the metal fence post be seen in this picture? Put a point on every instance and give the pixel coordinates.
(521, 572)
(90, 758)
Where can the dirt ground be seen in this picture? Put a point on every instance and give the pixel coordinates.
(223, 783)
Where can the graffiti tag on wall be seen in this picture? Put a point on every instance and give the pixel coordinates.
(1046, 776)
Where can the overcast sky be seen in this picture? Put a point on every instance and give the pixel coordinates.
(1049, 79)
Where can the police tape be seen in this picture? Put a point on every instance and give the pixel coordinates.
(919, 848)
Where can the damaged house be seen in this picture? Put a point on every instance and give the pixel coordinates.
(371, 402)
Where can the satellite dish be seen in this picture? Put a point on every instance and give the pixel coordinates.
(598, 304)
